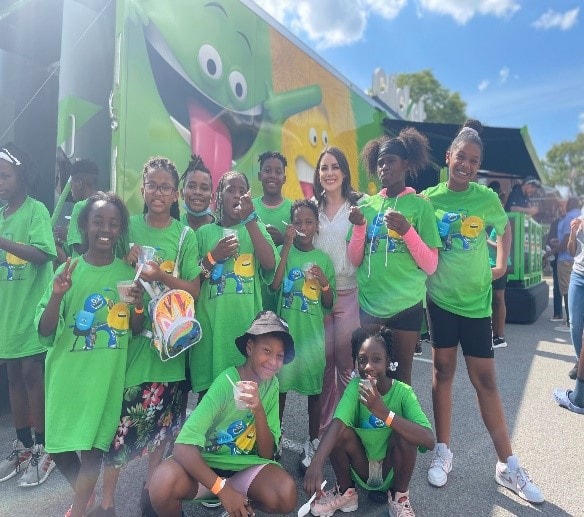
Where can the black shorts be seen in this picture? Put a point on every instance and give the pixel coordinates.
(409, 319)
(500, 283)
(475, 335)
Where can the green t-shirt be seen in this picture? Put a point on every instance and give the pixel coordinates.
(299, 303)
(225, 434)
(22, 283)
(228, 303)
(86, 361)
(144, 363)
(73, 234)
(389, 279)
(372, 431)
(273, 216)
(462, 282)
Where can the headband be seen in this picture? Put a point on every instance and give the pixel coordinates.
(393, 146)
(5, 154)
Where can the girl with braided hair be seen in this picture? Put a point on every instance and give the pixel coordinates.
(197, 193)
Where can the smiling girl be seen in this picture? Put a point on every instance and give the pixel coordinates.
(460, 307)
(197, 192)
(394, 244)
(306, 282)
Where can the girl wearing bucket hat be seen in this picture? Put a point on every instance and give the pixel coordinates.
(227, 452)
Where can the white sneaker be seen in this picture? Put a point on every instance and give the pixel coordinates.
(333, 500)
(440, 466)
(513, 476)
(309, 449)
(38, 469)
(16, 461)
(400, 506)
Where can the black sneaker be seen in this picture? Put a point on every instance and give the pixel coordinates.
(418, 350)
(499, 342)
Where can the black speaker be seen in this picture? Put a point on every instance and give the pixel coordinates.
(525, 304)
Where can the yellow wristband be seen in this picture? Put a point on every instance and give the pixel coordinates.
(218, 485)
(210, 258)
(389, 419)
(138, 311)
(325, 288)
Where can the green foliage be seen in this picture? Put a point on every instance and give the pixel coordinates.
(564, 165)
(441, 104)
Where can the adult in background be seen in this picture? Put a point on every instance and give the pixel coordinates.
(552, 246)
(519, 199)
(335, 196)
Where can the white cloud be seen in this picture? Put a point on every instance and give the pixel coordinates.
(483, 85)
(464, 10)
(581, 122)
(333, 23)
(503, 75)
(554, 20)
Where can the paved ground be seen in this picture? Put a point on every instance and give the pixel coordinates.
(547, 439)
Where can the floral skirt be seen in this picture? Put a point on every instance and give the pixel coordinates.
(150, 415)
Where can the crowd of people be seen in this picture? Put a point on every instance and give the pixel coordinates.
(325, 297)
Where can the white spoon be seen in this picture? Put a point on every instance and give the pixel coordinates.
(300, 234)
(305, 508)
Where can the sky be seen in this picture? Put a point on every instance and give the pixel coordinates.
(514, 62)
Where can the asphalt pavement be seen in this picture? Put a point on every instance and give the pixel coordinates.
(548, 440)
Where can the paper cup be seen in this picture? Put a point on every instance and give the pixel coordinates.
(239, 403)
(124, 287)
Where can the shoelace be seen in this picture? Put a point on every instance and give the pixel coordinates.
(438, 460)
(523, 477)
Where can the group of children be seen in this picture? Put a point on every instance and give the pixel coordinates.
(335, 290)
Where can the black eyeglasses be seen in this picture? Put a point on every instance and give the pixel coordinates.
(152, 188)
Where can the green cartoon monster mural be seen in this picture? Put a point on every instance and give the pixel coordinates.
(201, 82)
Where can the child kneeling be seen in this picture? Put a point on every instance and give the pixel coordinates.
(373, 439)
(226, 451)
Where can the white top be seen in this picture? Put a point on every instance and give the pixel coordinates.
(332, 239)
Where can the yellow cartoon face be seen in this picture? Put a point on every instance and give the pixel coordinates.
(472, 226)
(311, 289)
(118, 316)
(243, 266)
(246, 440)
(167, 266)
(14, 261)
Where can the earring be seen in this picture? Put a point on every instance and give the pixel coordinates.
(393, 366)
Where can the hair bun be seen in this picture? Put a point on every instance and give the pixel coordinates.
(473, 123)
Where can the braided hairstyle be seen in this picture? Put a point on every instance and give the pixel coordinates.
(410, 145)
(221, 186)
(384, 337)
(196, 164)
(162, 163)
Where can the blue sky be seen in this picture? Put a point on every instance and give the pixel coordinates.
(514, 62)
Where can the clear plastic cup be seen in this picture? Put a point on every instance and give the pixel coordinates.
(240, 403)
(124, 287)
(228, 232)
(366, 383)
(147, 254)
(306, 267)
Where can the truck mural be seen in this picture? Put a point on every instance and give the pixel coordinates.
(216, 78)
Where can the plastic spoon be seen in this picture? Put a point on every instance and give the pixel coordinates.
(138, 271)
(229, 379)
(305, 508)
(300, 234)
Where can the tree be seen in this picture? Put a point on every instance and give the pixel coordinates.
(440, 104)
(564, 165)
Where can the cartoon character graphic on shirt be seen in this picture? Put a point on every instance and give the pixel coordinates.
(308, 291)
(239, 437)
(12, 263)
(377, 232)
(116, 324)
(243, 273)
(372, 423)
(461, 226)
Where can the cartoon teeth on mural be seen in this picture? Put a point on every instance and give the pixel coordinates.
(216, 81)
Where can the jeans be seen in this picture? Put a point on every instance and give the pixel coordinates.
(576, 304)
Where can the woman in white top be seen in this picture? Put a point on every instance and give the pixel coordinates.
(335, 196)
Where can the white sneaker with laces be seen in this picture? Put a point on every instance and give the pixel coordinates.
(309, 449)
(16, 461)
(400, 506)
(38, 469)
(333, 500)
(440, 466)
(513, 476)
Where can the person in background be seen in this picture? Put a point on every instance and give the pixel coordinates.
(498, 303)
(27, 248)
(460, 308)
(272, 208)
(519, 198)
(574, 399)
(552, 250)
(84, 183)
(565, 260)
(335, 197)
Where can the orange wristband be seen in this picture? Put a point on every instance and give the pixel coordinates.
(210, 258)
(218, 485)
(138, 311)
(389, 419)
(325, 288)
